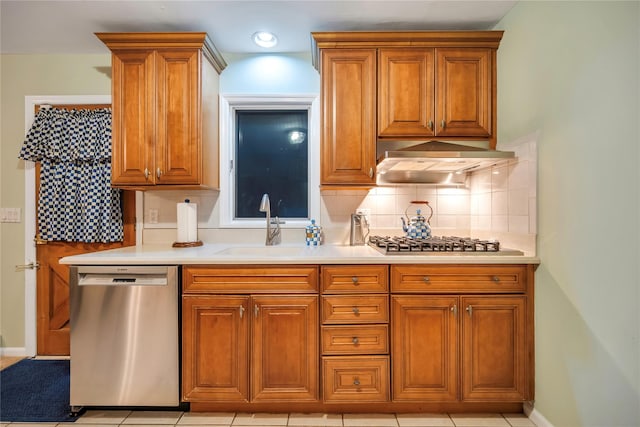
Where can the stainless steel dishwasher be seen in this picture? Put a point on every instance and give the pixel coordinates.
(124, 336)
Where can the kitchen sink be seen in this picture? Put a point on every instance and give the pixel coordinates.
(262, 251)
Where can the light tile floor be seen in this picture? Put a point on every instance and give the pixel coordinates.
(100, 418)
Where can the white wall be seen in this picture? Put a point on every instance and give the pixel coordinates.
(569, 71)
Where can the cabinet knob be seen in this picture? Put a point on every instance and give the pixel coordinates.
(158, 173)
(356, 381)
(430, 124)
(241, 311)
(454, 309)
(443, 124)
(256, 310)
(496, 279)
(354, 279)
(426, 279)
(469, 310)
(355, 340)
(356, 310)
(370, 172)
(146, 173)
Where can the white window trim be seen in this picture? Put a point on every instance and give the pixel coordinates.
(228, 106)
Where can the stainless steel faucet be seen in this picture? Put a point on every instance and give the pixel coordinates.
(273, 235)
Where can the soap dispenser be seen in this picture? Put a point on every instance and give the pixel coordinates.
(313, 234)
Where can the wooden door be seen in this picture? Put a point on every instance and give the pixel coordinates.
(493, 348)
(284, 353)
(424, 348)
(52, 279)
(406, 92)
(178, 117)
(348, 118)
(464, 92)
(215, 345)
(134, 108)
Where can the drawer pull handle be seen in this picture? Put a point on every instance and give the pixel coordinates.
(496, 279)
(356, 382)
(426, 279)
(356, 310)
(355, 340)
(354, 279)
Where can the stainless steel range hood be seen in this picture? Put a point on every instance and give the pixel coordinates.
(433, 162)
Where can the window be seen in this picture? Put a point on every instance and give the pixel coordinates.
(271, 157)
(269, 145)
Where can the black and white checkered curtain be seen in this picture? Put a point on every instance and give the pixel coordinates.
(76, 201)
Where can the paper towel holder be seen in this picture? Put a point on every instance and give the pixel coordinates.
(187, 244)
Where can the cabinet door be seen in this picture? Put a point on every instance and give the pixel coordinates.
(133, 134)
(406, 92)
(178, 117)
(424, 348)
(215, 339)
(348, 116)
(493, 356)
(284, 348)
(464, 92)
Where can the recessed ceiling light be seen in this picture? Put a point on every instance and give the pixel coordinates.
(265, 39)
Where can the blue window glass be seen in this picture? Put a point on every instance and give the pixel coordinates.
(272, 157)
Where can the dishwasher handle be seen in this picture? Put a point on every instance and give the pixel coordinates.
(90, 279)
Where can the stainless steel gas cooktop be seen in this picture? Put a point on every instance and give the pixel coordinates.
(444, 245)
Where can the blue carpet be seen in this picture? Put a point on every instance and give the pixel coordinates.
(35, 391)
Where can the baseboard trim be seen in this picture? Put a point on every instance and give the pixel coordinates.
(535, 416)
(13, 351)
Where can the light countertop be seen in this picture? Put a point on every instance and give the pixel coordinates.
(165, 254)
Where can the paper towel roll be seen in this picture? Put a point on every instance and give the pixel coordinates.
(187, 222)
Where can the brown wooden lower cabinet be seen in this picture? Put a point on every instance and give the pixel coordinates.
(402, 345)
(355, 378)
(430, 359)
(270, 342)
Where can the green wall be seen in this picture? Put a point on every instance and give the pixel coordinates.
(570, 71)
(31, 75)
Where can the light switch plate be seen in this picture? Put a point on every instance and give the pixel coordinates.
(10, 214)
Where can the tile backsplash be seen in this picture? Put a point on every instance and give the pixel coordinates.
(499, 203)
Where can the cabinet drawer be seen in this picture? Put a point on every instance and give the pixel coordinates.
(355, 278)
(355, 309)
(364, 339)
(458, 278)
(259, 279)
(356, 379)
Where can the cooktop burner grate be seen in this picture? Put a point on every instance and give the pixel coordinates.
(445, 244)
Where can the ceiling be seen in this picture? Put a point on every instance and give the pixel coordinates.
(67, 27)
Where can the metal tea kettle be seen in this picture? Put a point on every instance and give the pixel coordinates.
(417, 227)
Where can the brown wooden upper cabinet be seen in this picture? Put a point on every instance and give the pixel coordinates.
(410, 85)
(165, 110)
(435, 92)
